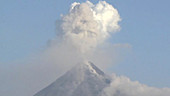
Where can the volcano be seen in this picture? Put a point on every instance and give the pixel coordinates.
(84, 79)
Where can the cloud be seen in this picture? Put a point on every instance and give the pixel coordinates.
(123, 86)
(88, 25)
(82, 32)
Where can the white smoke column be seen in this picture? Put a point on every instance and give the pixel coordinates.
(88, 25)
(83, 28)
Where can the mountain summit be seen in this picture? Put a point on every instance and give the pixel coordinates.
(84, 79)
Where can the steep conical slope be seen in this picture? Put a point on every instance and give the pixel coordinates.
(82, 80)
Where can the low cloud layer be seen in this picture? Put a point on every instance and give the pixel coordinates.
(123, 86)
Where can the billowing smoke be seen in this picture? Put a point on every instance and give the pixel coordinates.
(123, 86)
(88, 25)
(80, 32)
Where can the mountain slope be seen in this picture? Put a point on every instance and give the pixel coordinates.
(82, 80)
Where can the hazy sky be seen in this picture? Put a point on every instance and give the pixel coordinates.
(27, 25)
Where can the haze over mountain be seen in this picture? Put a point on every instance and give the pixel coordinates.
(85, 79)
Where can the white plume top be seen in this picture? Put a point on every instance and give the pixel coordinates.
(87, 25)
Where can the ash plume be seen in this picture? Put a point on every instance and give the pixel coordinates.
(88, 25)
